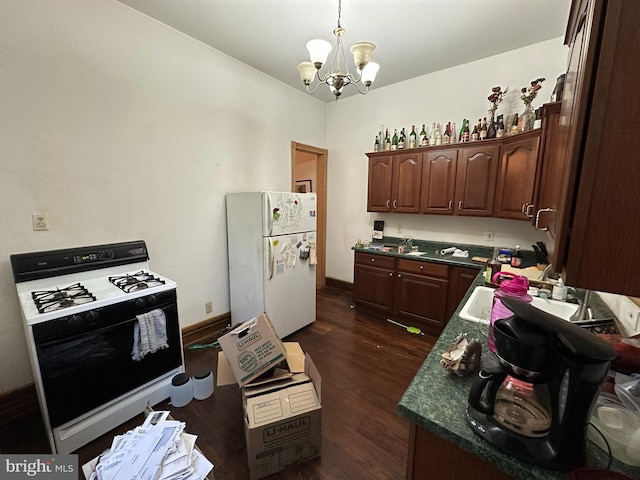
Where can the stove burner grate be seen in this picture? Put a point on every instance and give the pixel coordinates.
(136, 281)
(52, 300)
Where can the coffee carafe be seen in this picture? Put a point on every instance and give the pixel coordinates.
(536, 404)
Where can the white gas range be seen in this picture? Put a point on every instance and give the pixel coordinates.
(84, 311)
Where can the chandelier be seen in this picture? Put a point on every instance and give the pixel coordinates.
(338, 76)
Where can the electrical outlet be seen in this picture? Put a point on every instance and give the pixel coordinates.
(488, 236)
(629, 315)
(208, 307)
(40, 221)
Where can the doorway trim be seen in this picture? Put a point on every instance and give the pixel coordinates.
(321, 190)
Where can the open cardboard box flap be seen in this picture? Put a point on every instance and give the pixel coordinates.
(298, 363)
(251, 349)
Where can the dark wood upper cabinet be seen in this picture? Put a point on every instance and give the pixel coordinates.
(550, 172)
(394, 182)
(380, 177)
(405, 190)
(596, 244)
(460, 180)
(439, 181)
(516, 177)
(476, 179)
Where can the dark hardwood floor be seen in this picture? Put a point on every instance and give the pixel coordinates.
(366, 364)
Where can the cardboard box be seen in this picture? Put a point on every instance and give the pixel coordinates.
(252, 348)
(282, 411)
(283, 421)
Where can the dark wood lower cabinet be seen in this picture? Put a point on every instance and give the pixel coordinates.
(460, 279)
(423, 293)
(432, 457)
(373, 279)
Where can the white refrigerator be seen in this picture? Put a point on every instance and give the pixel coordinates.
(272, 254)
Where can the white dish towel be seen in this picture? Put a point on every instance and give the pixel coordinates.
(149, 334)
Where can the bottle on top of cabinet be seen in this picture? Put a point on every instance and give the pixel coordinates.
(376, 145)
(401, 140)
(500, 127)
(483, 129)
(475, 135)
(412, 137)
(394, 139)
(387, 140)
(424, 140)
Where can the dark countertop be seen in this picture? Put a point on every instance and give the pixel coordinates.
(436, 401)
(432, 252)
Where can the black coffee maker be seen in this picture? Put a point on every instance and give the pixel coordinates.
(536, 405)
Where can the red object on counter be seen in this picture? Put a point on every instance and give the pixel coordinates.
(628, 359)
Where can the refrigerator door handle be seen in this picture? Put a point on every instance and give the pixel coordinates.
(269, 213)
(271, 259)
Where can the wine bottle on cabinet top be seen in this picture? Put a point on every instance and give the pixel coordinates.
(412, 137)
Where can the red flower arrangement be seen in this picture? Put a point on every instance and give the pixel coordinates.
(530, 92)
(496, 97)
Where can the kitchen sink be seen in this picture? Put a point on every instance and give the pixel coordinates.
(478, 307)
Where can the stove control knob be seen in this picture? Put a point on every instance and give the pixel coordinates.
(141, 302)
(75, 320)
(152, 299)
(92, 315)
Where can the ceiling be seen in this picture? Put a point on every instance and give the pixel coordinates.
(413, 37)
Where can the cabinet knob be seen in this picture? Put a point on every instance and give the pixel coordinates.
(388, 203)
(460, 205)
(391, 274)
(421, 267)
(395, 204)
(450, 204)
(373, 259)
(399, 275)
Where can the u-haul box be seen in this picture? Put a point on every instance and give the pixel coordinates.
(252, 348)
(283, 421)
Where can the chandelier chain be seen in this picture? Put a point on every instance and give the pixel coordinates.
(339, 12)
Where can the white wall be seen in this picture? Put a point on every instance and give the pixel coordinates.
(448, 95)
(120, 128)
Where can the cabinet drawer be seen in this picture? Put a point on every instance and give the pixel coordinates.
(424, 268)
(375, 260)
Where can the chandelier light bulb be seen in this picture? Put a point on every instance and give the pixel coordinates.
(369, 73)
(318, 51)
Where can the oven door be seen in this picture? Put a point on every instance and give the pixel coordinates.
(86, 360)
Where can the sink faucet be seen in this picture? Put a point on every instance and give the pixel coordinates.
(548, 272)
(408, 241)
(583, 312)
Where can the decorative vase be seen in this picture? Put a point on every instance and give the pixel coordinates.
(491, 129)
(525, 122)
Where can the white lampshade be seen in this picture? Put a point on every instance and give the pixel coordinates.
(362, 53)
(307, 71)
(369, 73)
(318, 50)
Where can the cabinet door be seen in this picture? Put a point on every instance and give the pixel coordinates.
(438, 181)
(380, 176)
(516, 178)
(373, 287)
(600, 213)
(421, 298)
(551, 172)
(476, 180)
(460, 279)
(405, 193)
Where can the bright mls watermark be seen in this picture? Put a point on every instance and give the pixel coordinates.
(45, 466)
